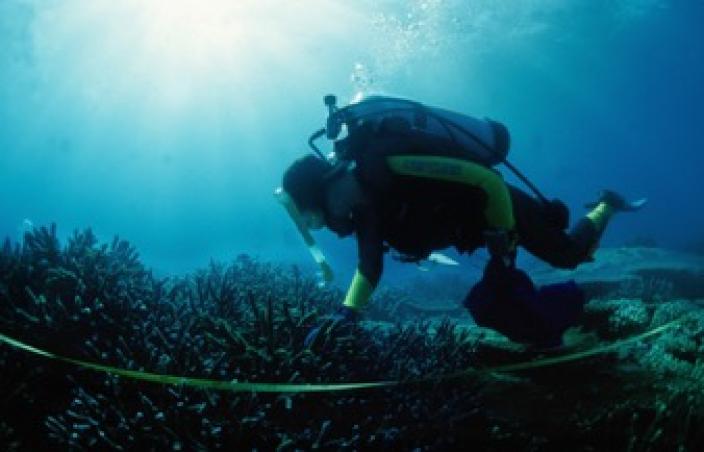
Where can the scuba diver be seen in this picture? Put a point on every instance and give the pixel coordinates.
(415, 179)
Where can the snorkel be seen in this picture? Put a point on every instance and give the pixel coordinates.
(331, 131)
(326, 274)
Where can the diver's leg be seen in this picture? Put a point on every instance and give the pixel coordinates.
(506, 300)
(543, 235)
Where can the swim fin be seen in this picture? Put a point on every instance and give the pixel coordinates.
(617, 202)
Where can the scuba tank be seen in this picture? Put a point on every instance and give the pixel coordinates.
(483, 141)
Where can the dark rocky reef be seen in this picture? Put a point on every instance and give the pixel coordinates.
(247, 321)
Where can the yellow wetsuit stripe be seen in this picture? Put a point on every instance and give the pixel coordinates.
(359, 292)
(499, 209)
(600, 215)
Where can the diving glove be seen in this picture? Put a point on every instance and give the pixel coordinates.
(617, 202)
(343, 316)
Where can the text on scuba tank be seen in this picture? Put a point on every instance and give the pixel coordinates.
(431, 167)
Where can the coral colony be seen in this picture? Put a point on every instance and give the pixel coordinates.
(246, 322)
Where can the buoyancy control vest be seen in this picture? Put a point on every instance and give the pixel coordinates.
(482, 141)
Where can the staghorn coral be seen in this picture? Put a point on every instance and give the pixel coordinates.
(247, 321)
(617, 318)
(244, 321)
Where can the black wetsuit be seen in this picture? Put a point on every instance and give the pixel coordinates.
(416, 215)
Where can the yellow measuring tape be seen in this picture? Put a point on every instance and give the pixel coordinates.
(236, 386)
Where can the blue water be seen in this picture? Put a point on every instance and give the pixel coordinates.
(171, 122)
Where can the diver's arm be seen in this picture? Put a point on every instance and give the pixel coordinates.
(371, 257)
(499, 209)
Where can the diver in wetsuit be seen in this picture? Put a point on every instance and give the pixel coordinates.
(418, 193)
